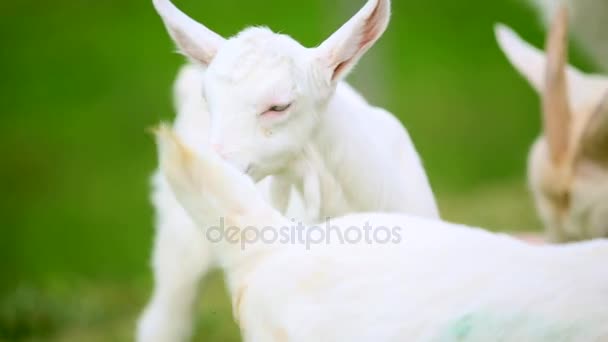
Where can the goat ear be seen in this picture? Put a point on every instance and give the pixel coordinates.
(340, 52)
(192, 38)
(594, 141)
(205, 184)
(551, 76)
(528, 60)
(557, 115)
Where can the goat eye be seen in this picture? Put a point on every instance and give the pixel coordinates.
(279, 109)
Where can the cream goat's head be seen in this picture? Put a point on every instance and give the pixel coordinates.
(265, 91)
(568, 165)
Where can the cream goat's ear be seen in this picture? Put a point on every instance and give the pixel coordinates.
(594, 141)
(528, 60)
(557, 115)
(192, 38)
(205, 185)
(342, 50)
(177, 162)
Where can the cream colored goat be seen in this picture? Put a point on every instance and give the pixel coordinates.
(568, 165)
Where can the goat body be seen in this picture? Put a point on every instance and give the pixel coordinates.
(436, 281)
(568, 164)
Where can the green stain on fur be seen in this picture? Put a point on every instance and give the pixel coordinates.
(462, 328)
(482, 327)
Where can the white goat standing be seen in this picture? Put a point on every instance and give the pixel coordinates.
(568, 165)
(277, 108)
(438, 282)
(589, 18)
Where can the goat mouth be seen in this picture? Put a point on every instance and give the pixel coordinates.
(253, 173)
(248, 169)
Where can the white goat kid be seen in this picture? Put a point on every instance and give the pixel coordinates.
(437, 282)
(342, 154)
(273, 103)
(568, 165)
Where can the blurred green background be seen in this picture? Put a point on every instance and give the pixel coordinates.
(83, 79)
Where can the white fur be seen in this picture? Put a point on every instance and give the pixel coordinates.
(442, 282)
(181, 255)
(589, 19)
(583, 178)
(340, 154)
(328, 126)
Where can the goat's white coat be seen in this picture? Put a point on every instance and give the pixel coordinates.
(583, 178)
(443, 282)
(342, 154)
